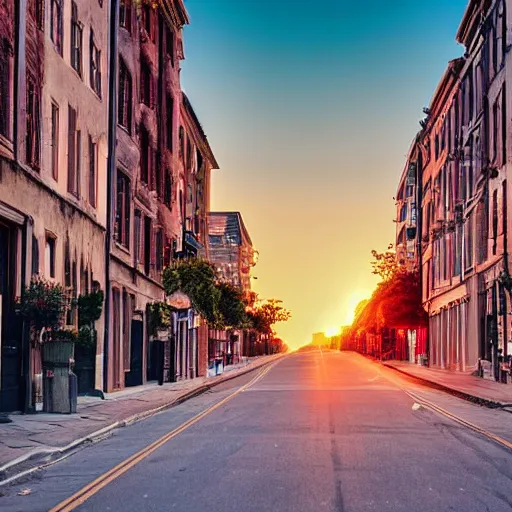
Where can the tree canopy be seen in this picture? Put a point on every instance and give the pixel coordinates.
(396, 302)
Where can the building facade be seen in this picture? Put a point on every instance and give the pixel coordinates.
(53, 147)
(232, 252)
(161, 195)
(465, 148)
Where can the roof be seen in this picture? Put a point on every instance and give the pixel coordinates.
(445, 86)
(176, 11)
(471, 21)
(190, 110)
(228, 225)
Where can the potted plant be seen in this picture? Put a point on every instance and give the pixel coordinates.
(159, 318)
(43, 304)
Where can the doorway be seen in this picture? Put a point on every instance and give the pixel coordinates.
(134, 376)
(10, 325)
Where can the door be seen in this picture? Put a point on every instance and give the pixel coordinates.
(10, 335)
(134, 376)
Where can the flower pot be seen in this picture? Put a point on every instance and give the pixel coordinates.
(58, 352)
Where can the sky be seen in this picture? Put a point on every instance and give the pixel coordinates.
(310, 107)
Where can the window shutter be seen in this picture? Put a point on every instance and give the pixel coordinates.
(78, 162)
(152, 91)
(153, 247)
(71, 148)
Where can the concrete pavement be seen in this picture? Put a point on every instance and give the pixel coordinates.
(320, 431)
(484, 391)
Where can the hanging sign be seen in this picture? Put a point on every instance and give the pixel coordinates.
(179, 300)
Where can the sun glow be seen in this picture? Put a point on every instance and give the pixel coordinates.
(354, 300)
(333, 331)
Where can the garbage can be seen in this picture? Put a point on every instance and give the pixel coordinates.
(59, 382)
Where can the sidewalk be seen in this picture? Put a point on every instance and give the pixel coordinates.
(34, 439)
(486, 392)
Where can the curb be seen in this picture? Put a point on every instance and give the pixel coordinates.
(485, 402)
(42, 457)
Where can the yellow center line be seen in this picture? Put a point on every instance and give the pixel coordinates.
(103, 480)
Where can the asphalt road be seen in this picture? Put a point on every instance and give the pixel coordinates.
(322, 431)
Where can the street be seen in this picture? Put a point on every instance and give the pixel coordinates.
(316, 431)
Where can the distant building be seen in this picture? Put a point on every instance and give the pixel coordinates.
(320, 339)
(230, 249)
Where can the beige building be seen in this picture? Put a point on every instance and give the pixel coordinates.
(53, 146)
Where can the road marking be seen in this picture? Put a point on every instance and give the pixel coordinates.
(433, 407)
(103, 480)
(427, 404)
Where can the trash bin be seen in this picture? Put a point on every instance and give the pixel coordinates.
(60, 387)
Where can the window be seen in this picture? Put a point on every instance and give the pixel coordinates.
(468, 239)
(95, 71)
(137, 232)
(503, 18)
(125, 14)
(55, 141)
(159, 248)
(145, 156)
(170, 121)
(437, 146)
(36, 9)
(33, 135)
(147, 245)
(76, 40)
(93, 171)
(146, 84)
(503, 125)
(169, 44)
(5, 74)
(494, 221)
(49, 256)
(182, 142)
(495, 131)
(458, 248)
(149, 24)
(74, 153)
(158, 176)
(168, 188)
(189, 153)
(122, 220)
(471, 93)
(127, 321)
(56, 24)
(125, 97)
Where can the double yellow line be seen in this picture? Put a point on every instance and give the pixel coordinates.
(106, 478)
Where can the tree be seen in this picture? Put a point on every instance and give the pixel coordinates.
(231, 307)
(268, 314)
(198, 280)
(385, 264)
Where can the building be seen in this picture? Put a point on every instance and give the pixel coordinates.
(161, 194)
(53, 159)
(410, 341)
(406, 219)
(232, 253)
(319, 339)
(465, 188)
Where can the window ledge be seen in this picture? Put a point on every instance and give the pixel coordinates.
(125, 129)
(121, 247)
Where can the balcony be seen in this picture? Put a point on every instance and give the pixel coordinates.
(192, 245)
